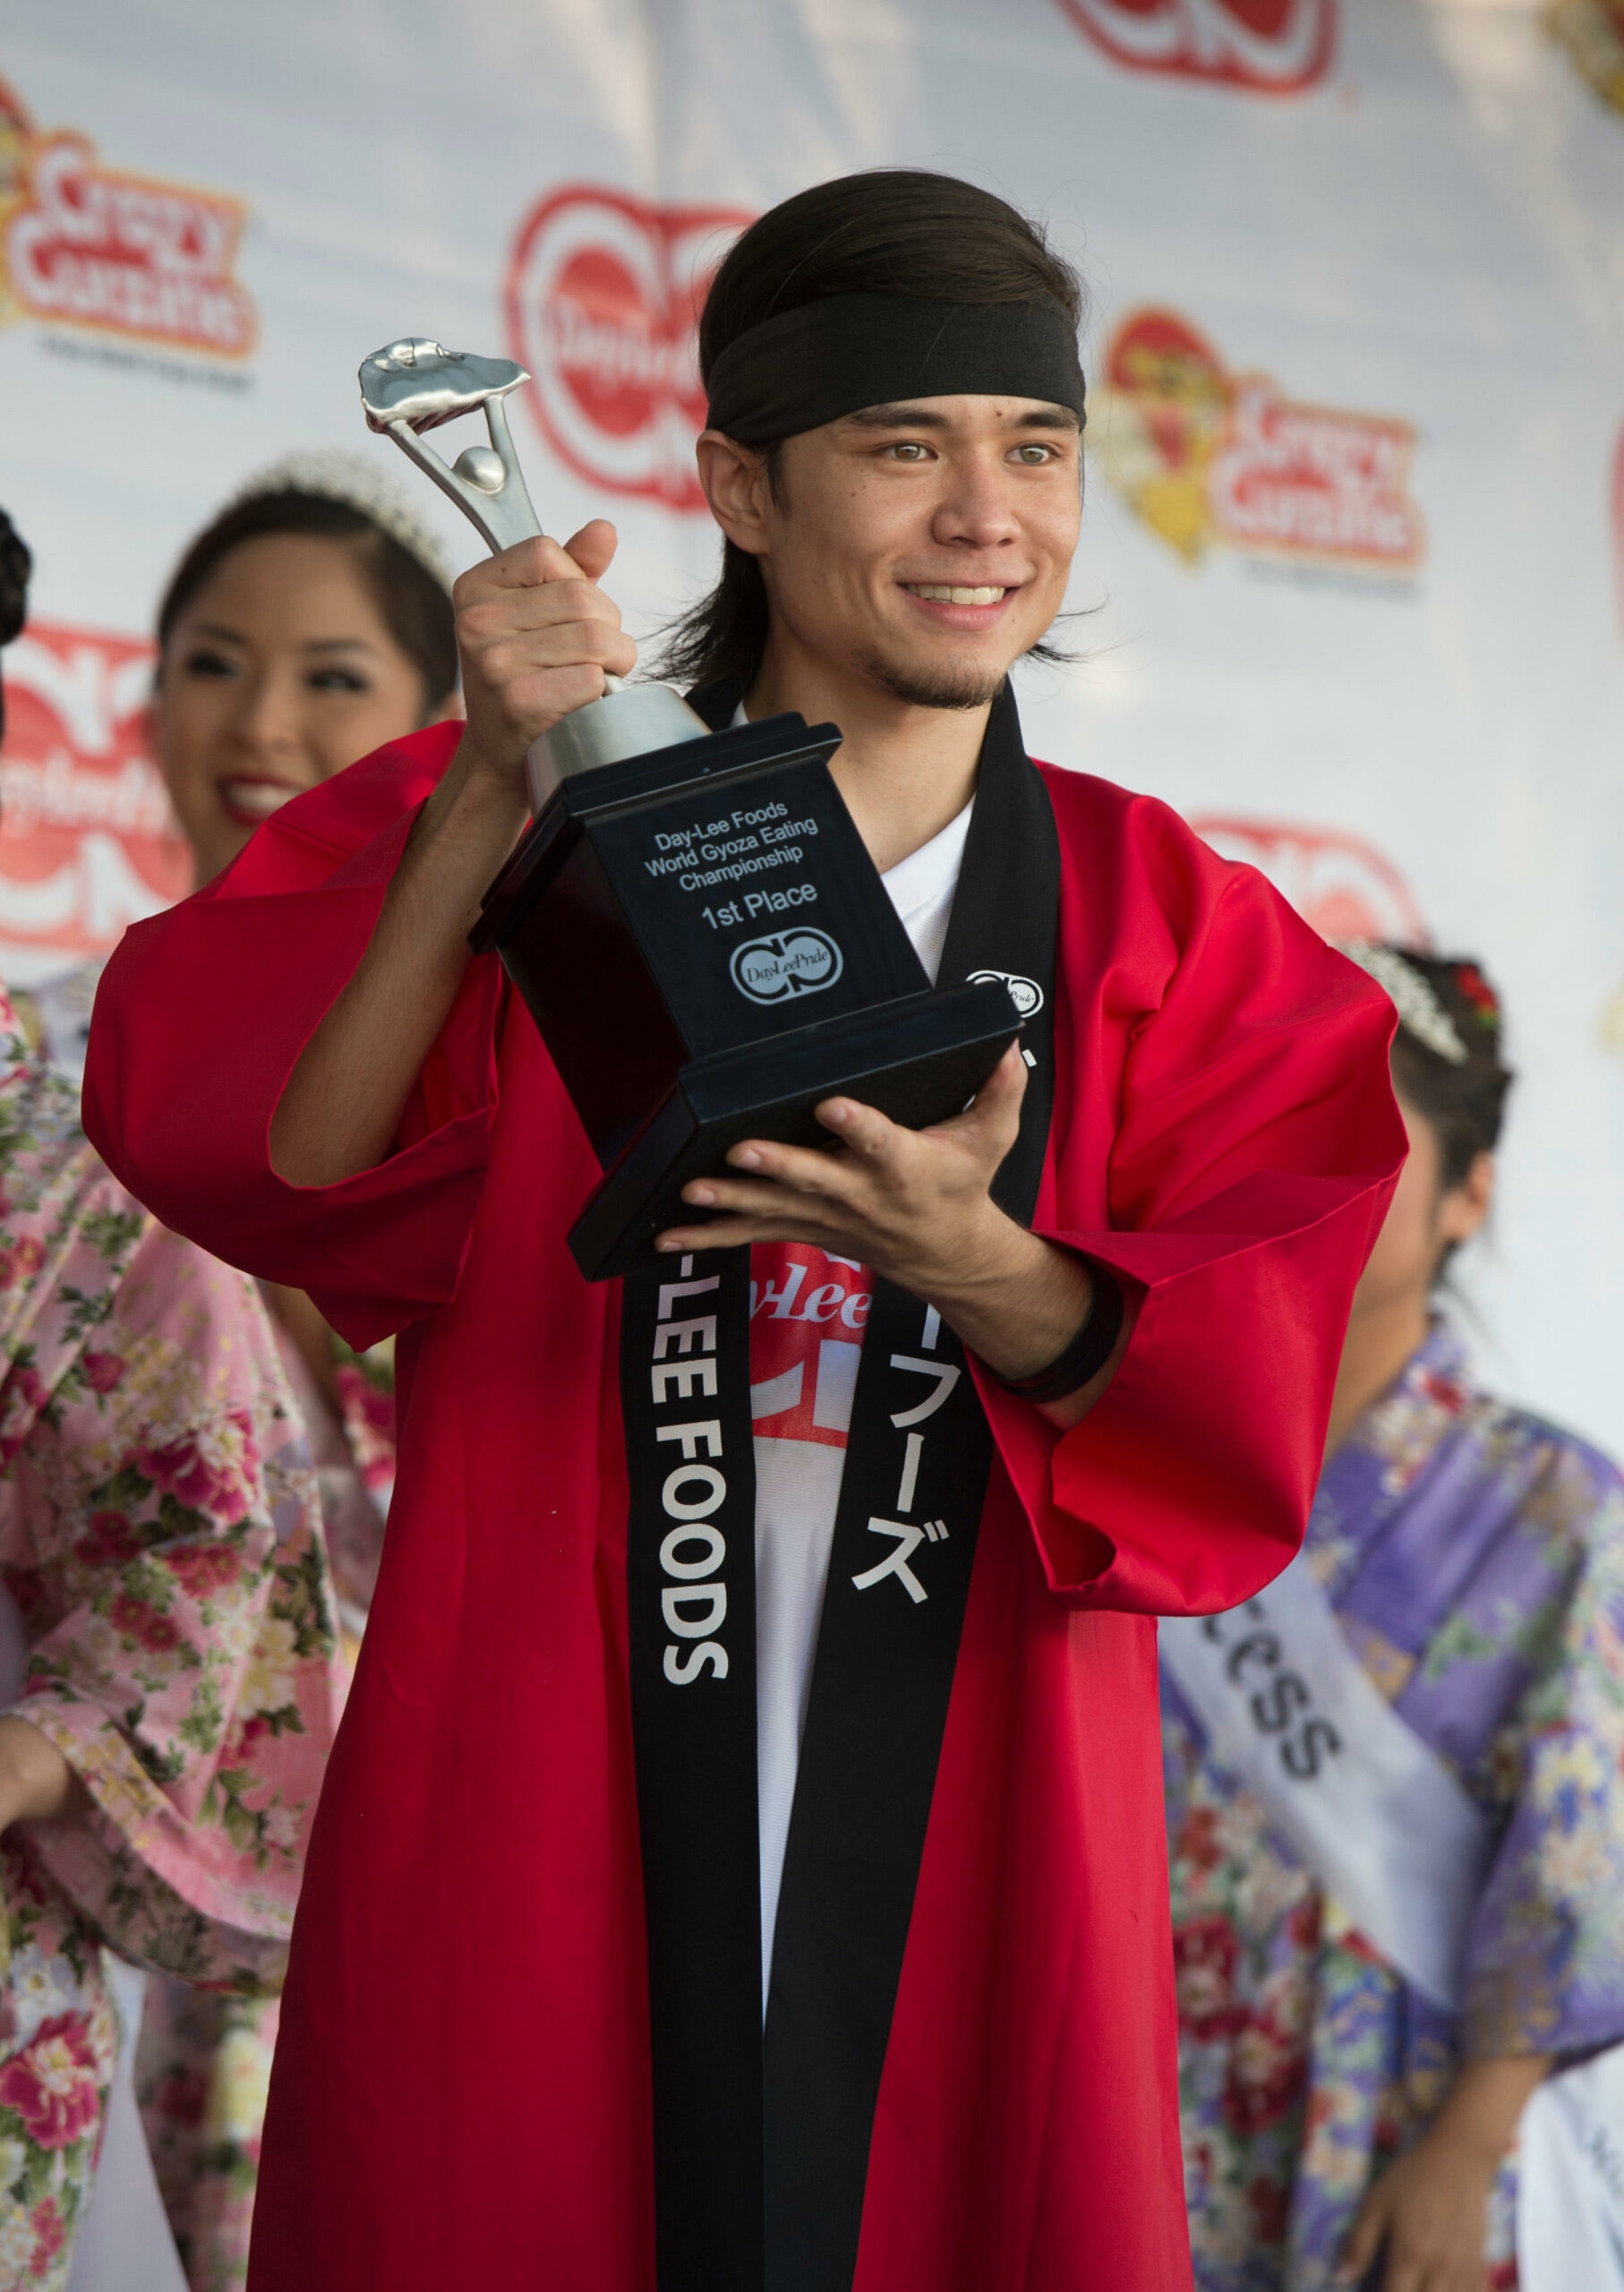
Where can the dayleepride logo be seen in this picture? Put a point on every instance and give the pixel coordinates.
(787, 965)
(88, 843)
(602, 299)
(1205, 456)
(1272, 48)
(84, 245)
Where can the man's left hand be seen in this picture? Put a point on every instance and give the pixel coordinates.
(916, 1207)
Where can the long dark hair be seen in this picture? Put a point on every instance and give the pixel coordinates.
(416, 608)
(887, 231)
(1463, 1101)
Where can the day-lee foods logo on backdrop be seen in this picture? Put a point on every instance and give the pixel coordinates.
(1272, 47)
(603, 296)
(1337, 882)
(1205, 456)
(82, 244)
(87, 843)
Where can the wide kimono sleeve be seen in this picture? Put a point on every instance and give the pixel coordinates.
(201, 1016)
(1250, 1141)
(1545, 1957)
(161, 1529)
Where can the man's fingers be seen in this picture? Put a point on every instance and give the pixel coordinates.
(864, 1129)
(524, 564)
(993, 1116)
(563, 603)
(764, 1198)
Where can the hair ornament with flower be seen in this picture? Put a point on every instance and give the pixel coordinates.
(1411, 993)
(1474, 989)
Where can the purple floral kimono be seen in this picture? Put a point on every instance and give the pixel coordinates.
(1474, 1556)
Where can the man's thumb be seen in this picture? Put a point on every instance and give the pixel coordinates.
(592, 547)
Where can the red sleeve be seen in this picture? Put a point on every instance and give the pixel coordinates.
(203, 1013)
(1256, 1146)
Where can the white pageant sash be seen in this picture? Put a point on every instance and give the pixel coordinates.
(1377, 1817)
(1570, 2180)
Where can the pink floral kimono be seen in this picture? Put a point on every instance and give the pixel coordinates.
(161, 1537)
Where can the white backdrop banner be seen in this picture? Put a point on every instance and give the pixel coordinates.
(1350, 593)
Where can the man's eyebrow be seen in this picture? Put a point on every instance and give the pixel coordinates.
(904, 417)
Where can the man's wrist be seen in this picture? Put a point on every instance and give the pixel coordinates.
(1023, 1303)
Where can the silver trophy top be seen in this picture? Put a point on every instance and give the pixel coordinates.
(415, 384)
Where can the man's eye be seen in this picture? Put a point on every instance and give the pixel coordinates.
(909, 450)
(207, 663)
(1033, 456)
(336, 681)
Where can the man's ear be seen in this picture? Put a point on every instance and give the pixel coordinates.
(734, 478)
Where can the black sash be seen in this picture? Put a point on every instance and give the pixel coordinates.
(761, 2149)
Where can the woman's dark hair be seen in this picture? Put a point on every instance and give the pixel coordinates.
(15, 565)
(888, 231)
(416, 608)
(1465, 1102)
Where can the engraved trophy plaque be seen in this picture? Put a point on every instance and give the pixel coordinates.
(691, 918)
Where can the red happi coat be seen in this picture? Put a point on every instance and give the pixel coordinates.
(461, 2094)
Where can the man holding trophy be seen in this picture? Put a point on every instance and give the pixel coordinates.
(741, 1869)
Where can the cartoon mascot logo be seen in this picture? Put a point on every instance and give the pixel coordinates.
(1205, 456)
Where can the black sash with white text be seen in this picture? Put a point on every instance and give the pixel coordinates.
(761, 2145)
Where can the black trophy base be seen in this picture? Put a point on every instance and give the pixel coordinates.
(920, 1059)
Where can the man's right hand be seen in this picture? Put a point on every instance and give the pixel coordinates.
(537, 638)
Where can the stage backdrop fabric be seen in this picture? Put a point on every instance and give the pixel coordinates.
(1349, 590)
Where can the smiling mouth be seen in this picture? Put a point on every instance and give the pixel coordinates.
(939, 593)
(255, 799)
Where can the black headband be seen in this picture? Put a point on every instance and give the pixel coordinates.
(825, 359)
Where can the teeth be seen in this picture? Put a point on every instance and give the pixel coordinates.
(260, 797)
(938, 592)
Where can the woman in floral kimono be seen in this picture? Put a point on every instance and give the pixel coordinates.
(307, 624)
(170, 1654)
(1340, 2123)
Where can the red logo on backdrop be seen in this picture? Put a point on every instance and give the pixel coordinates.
(87, 841)
(83, 244)
(1271, 46)
(1338, 882)
(1205, 455)
(603, 294)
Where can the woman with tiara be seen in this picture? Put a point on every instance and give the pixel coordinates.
(306, 625)
(1394, 1789)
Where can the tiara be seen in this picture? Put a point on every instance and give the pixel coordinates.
(334, 474)
(1411, 993)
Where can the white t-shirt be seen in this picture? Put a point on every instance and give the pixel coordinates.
(806, 1334)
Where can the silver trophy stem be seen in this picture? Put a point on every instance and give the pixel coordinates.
(414, 385)
(503, 513)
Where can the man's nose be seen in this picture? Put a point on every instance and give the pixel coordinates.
(976, 507)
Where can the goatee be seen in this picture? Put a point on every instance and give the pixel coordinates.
(964, 687)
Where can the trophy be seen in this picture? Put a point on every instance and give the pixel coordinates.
(691, 917)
